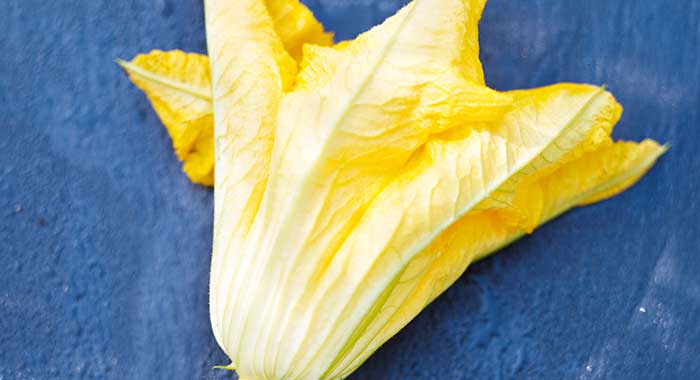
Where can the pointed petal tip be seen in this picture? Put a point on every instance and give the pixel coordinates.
(122, 63)
(665, 147)
(225, 367)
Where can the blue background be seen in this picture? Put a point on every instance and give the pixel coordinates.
(105, 243)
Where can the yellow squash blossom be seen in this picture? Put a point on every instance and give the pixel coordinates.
(354, 183)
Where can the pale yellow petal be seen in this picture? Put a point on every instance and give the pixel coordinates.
(633, 159)
(249, 71)
(178, 86)
(473, 168)
(570, 119)
(608, 171)
(540, 196)
(339, 139)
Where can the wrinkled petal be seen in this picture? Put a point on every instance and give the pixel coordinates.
(339, 138)
(593, 176)
(477, 167)
(178, 86)
(249, 71)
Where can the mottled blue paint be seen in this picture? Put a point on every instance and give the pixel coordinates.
(105, 244)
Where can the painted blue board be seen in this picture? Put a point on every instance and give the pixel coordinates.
(104, 244)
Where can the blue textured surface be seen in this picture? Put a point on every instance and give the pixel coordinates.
(105, 244)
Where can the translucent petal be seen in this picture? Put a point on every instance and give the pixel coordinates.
(593, 176)
(249, 71)
(339, 139)
(475, 167)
